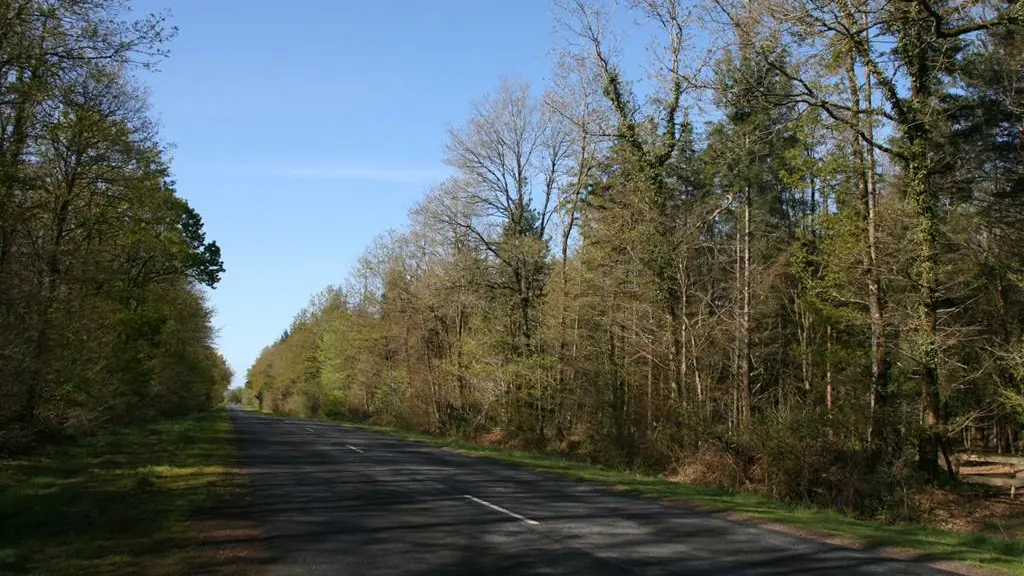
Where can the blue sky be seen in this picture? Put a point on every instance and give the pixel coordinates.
(303, 129)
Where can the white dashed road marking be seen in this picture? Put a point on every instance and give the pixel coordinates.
(502, 510)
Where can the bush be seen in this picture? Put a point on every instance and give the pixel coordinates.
(805, 460)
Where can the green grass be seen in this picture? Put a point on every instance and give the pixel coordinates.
(124, 502)
(924, 543)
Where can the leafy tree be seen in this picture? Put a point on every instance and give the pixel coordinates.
(102, 320)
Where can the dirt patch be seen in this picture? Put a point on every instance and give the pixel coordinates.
(228, 548)
(988, 469)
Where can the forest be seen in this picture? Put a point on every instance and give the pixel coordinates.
(786, 254)
(103, 316)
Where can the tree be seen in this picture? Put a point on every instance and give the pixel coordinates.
(101, 316)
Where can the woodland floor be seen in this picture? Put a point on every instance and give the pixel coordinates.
(140, 500)
(975, 509)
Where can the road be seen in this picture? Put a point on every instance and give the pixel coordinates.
(331, 499)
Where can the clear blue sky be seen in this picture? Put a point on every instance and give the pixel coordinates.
(305, 128)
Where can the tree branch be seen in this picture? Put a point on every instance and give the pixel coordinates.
(1011, 14)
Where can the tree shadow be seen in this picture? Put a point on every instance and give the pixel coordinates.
(126, 502)
(400, 509)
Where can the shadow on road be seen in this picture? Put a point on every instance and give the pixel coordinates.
(400, 508)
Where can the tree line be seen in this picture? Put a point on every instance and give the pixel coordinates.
(788, 258)
(103, 320)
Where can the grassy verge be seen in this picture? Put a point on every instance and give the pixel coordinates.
(125, 502)
(905, 540)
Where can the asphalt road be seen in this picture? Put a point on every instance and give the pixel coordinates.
(335, 500)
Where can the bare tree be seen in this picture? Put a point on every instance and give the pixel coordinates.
(511, 159)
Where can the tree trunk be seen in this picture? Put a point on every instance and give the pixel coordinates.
(650, 391)
(737, 350)
(678, 394)
(866, 159)
(804, 336)
(745, 322)
(563, 316)
(828, 369)
(926, 341)
(879, 368)
(684, 288)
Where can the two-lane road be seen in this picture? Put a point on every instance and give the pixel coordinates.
(336, 500)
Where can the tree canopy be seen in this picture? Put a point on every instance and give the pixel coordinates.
(103, 318)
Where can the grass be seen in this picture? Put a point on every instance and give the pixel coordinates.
(125, 502)
(922, 543)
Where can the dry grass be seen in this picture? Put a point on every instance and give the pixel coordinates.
(975, 510)
(494, 437)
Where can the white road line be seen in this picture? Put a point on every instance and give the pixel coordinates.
(351, 447)
(502, 510)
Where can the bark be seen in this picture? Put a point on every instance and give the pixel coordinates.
(922, 199)
(737, 350)
(745, 321)
(865, 156)
(828, 368)
(804, 327)
(879, 367)
(676, 355)
(684, 288)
